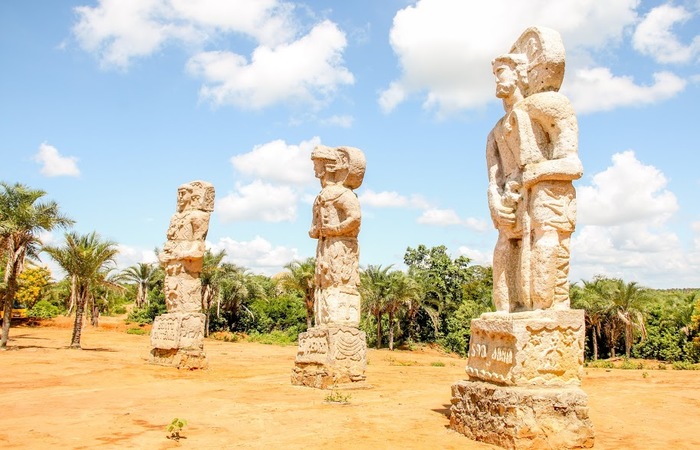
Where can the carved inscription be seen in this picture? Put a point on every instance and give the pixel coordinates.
(166, 332)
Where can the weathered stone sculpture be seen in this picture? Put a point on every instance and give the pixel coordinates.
(526, 360)
(177, 337)
(334, 350)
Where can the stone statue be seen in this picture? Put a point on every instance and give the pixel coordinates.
(336, 224)
(526, 359)
(532, 160)
(177, 337)
(335, 350)
(183, 252)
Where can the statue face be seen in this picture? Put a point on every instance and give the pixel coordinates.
(506, 79)
(323, 167)
(184, 197)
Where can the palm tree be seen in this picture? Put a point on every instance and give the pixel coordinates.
(403, 291)
(596, 304)
(22, 219)
(236, 289)
(301, 277)
(628, 300)
(374, 289)
(141, 274)
(210, 277)
(85, 258)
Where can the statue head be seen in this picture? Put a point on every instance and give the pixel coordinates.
(195, 195)
(339, 165)
(511, 74)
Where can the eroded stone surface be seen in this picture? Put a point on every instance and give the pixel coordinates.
(532, 159)
(177, 338)
(522, 418)
(334, 350)
(526, 360)
(529, 348)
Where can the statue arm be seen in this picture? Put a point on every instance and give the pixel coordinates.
(500, 214)
(553, 114)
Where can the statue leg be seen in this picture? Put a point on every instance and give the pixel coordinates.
(505, 263)
(546, 268)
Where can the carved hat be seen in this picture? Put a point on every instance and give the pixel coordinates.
(355, 158)
(544, 51)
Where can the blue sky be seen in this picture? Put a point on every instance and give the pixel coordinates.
(110, 105)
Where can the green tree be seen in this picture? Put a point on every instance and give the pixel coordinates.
(403, 291)
(22, 219)
(628, 305)
(210, 277)
(32, 282)
(237, 289)
(300, 277)
(375, 284)
(141, 275)
(86, 259)
(592, 298)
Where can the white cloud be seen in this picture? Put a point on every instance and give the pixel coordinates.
(308, 70)
(445, 51)
(439, 217)
(598, 89)
(117, 31)
(277, 161)
(286, 65)
(623, 229)
(338, 121)
(654, 36)
(259, 255)
(129, 256)
(53, 164)
(628, 191)
(258, 201)
(391, 199)
(476, 256)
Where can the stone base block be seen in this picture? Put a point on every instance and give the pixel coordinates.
(180, 358)
(330, 356)
(528, 348)
(522, 417)
(177, 340)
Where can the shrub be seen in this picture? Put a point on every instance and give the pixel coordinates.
(43, 310)
(684, 365)
(139, 331)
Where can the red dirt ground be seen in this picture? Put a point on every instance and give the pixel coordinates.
(108, 396)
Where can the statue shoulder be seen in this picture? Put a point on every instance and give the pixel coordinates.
(550, 105)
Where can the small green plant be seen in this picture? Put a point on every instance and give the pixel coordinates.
(135, 331)
(437, 364)
(338, 397)
(627, 365)
(645, 374)
(662, 366)
(601, 364)
(175, 428)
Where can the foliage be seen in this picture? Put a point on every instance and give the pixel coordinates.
(43, 309)
(337, 397)
(141, 275)
(175, 428)
(276, 337)
(31, 284)
(300, 278)
(139, 331)
(22, 219)
(86, 259)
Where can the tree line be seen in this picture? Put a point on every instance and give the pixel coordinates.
(431, 302)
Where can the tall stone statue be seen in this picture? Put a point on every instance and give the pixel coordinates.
(334, 350)
(532, 159)
(336, 224)
(526, 359)
(177, 337)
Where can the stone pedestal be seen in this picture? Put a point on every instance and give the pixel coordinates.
(330, 356)
(177, 340)
(522, 417)
(523, 391)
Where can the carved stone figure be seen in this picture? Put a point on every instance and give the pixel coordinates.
(177, 337)
(532, 159)
(334, 350)
(336, 224)
(526, 360)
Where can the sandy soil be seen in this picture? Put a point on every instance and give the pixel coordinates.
(107, 396)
